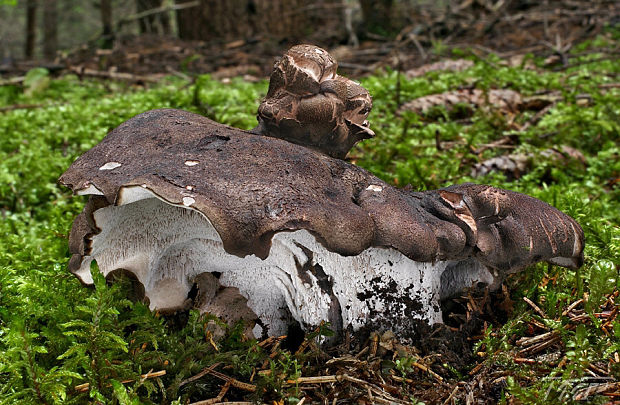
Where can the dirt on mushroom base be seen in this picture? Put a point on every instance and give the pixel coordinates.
(372, 365)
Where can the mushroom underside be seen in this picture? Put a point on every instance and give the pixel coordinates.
(170, 247)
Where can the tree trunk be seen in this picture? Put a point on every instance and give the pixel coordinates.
(50, 29)
(164, 19)
(377, 16)
(155, 23)
(106, 23)
(31, 28)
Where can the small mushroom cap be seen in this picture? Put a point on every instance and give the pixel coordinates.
(309, 104)
(251, 187)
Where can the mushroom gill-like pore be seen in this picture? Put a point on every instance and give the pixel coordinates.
(309, 104)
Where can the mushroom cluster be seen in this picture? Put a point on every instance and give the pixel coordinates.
(273, 228)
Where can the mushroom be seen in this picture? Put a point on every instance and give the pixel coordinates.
(282, 230)
(309, 104)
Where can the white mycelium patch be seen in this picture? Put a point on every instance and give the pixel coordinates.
(110, 166)
(187, 201)
(166, 246)
(375, 188)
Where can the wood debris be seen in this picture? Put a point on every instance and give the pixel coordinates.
(501, 99)
(151, 374)
(544, 350)
(452, 65)
(514, 165)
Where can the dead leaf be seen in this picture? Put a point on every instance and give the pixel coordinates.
(502, 99)
(453, 65)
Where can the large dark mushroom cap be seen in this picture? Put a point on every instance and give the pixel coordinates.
(251, 187)
(175, 195)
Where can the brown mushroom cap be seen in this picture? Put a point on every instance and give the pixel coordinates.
(251, 187)
(309, 104)
(355, 236)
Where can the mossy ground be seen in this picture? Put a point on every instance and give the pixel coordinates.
(56, 334)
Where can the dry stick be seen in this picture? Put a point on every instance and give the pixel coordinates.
(475, 370)
(598, 370)
(199, 375)
(427, 370)
(85, 387)
(13, 81)
(323, 379)
(530, 341)
(496, 144)
(452, 394)
(580, 318)
(537, 117)
(373, 388)
(236, 403)
(535, 307)
(520, 360)
(540, 347)
(22, 107)
(593, 390)
(179, 74)
(234, 382)
(328, 379)
(609, 86)
(114, 75)
(217, 399)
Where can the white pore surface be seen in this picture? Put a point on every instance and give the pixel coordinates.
(166, 246)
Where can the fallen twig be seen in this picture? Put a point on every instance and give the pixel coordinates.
(199, 375)
(22, 107)
(583, 394)
(13, 81)
(86, 386)
(535, 307)
(380, 395)
(217, 399)
(234, 382)
(81, 71)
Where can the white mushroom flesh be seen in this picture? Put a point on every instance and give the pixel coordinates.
(166, 246)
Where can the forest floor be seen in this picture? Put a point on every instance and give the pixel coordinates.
(549, 29)
(543, 121)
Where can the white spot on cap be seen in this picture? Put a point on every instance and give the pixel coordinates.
(190, 188)
(374, 187)
(191, 162)
(110, 166)
(320, 52)
(187, 201)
